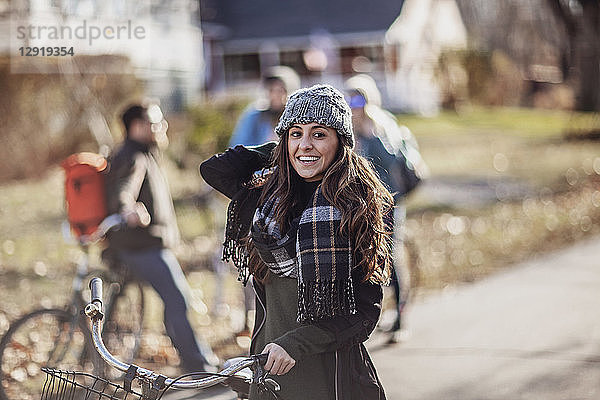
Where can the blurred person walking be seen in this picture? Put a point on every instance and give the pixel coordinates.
(313, 236)
(393, 150)
(135, 177)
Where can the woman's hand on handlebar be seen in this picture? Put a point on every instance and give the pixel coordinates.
(279, 361)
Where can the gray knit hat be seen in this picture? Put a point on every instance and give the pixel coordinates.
(322, 104)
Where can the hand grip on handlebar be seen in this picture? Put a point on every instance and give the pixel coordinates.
(96, 288)
(94, 309)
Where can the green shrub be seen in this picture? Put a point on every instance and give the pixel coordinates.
(212, 124)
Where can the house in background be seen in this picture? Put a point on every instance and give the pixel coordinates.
(397, 42)
(319, 39)
(423, 31)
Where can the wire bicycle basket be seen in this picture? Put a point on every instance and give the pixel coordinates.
(69, 385)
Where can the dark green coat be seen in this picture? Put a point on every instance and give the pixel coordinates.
(326, 353)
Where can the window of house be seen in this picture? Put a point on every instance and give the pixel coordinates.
(365, 59)
(241, 67)
(293, 59)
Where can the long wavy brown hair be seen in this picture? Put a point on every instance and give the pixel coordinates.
(352, 186)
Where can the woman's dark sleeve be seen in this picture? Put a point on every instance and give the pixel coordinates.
(226, 172)
(357, 328)
(338, 332)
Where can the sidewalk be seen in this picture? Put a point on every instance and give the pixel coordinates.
(531, 332)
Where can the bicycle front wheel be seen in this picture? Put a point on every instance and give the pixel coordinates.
(41, 338)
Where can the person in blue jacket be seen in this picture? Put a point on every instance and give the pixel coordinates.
(257, 123)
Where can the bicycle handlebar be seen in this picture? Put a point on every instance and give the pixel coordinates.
(96, 289)
(113, 221)
(116, 221)
(94, 312)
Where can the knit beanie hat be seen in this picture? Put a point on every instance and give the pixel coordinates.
(322, 104)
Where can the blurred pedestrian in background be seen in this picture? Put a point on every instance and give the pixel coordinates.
(393, 150)
(257, 123)
(136, 177)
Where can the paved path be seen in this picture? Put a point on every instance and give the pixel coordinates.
(473, 191)
(531, 332)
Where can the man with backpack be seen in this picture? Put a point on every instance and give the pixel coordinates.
(145, 249)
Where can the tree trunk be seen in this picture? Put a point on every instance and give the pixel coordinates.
(589, 57)
(583, 55)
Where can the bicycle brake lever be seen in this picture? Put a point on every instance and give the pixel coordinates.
(269, 386)
(272, 384)
(259, 377)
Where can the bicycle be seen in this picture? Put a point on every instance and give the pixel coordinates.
(60, 336)
(239, 373)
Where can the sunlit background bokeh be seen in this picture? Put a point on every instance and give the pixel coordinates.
(502, 96)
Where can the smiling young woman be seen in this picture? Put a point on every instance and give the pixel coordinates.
(316, 240)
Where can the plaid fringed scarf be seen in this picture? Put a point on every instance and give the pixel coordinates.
(313, 252)
(239, 220)
(277, 251)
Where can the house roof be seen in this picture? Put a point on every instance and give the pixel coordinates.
(272, 19)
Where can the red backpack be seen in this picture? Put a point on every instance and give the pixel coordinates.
(85, 191)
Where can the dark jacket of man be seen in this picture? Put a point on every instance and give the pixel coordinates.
(135, 176)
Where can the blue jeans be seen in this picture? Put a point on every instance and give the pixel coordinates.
(160, 268)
